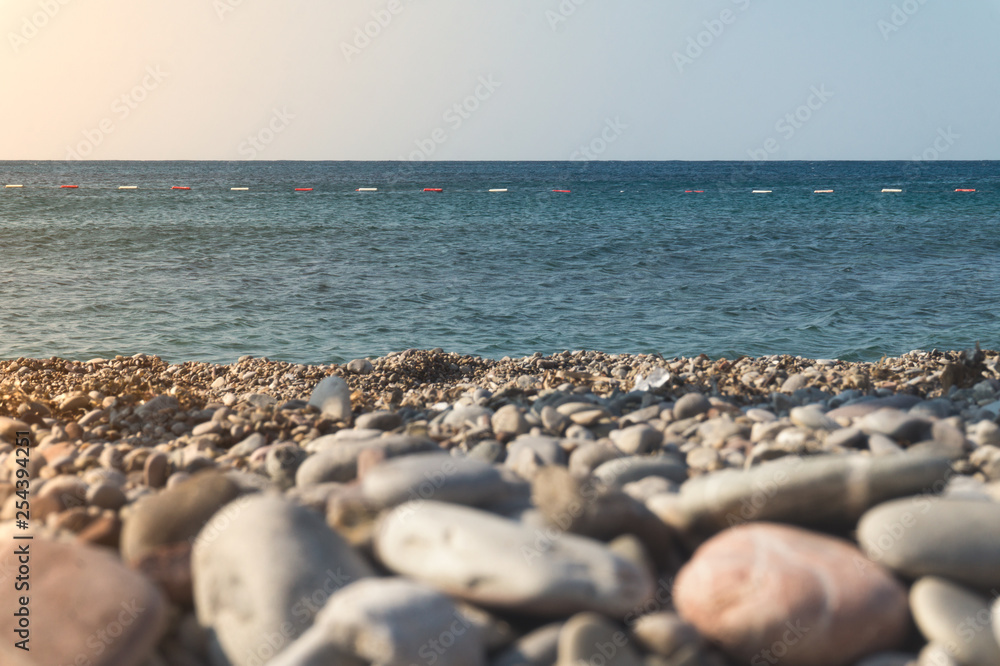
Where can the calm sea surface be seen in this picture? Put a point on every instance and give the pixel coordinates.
(626, 262)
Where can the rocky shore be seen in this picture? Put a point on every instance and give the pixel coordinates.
(432, 508)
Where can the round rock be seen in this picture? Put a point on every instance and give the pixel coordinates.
(332, 397)
(387, 621)
(810, 599)
(78, 595)
(433, 476)
(691, 405)
(496, 562)
(175, 514)
(957, 619)
(922, 536)
(261, 569)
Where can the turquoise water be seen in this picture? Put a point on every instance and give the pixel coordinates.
(625, 263)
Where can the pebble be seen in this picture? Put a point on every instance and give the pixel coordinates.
(665, 633)
(282, 462)
(553, 421)
(545, 450)
(587, 638)
(499, 563)
(380, 420)
(106, 496)
(262, 568)
(87, 607)
(812, 417)
(468, 415)
(175, 514)
(637, 439)
(99, 457)
(388, 621)
(827, 491)
(591, 455)
(337, 459)
(248, 445)
(536, 648)
(846, 438)
(766, 590)
(691, 405)
(957, 619)
(433, 476)
(897, 424)
(629, 469)
(332, 397)
(360, 366)
(926, 536)
(510, 419)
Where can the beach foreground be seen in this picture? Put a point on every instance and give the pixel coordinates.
(432, 508)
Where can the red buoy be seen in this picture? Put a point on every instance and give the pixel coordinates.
(433, 189)
(694, 191)
(303, 189)
(965, 190)
(562, 191)
(175, 187)
(69, 187)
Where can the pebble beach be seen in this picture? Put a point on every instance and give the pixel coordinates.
(427, 507)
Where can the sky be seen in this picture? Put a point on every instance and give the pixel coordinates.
(511, 80)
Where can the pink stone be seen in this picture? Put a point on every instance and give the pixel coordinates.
(766, 591)
(85, 607)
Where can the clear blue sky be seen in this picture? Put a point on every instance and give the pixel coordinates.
(532, 79)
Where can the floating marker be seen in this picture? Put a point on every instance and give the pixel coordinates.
(960, 190)
(178, 187)
(761, 192)
(303, 189)
(367, 189)
(433, 189)
(822, 191)
(501, 190)
(13, 186)
(69, 187)
(238, 189)
(128, 187)
(694, 191)
(562, 191)
(889, 189)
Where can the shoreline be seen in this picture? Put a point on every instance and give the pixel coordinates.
(194, 475)
(422, 378)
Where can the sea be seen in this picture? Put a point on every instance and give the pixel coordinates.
(675, 258)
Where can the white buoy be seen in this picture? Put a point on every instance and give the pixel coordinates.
(761, 192)
(13, 186)
(367, 189)
(128, 187)
(889, 189)
(499, 190)
(239, 189)
(822, 191)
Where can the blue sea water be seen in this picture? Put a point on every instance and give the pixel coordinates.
(626, 262)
